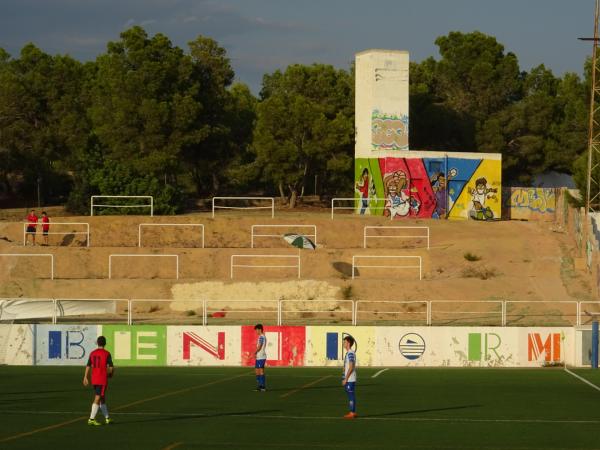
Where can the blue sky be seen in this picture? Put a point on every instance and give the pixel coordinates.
(263, 35)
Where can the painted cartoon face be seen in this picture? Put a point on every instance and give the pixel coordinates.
(480, 188)
(392, 189)
(442, 182)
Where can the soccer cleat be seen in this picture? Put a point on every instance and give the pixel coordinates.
(94, 422)
(350, 415)
(108, 421)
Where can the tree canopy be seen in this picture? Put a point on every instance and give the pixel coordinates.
(150, 118)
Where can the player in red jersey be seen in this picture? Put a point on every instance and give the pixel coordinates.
(32, 220)
(45, 227)
(101, 365)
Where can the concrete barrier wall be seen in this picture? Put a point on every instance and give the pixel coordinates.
(160, 345)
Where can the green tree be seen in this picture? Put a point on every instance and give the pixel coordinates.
(304, 128)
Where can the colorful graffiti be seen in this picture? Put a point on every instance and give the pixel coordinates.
(421, 187)
(530, 203)
(389, 131)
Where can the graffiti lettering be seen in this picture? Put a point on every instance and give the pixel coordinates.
(389, 132)
(535, 199)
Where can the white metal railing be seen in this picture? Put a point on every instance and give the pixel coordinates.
(255, 310)
(50, 255)
(396, 315)
(334, 311)
(544, 312)
(385, 228)
(271, 199)
(95, 205)
(585, 308)
(53, 224)
(189, 225)
(64, 307)
(131, 255)
(457, 314)
(355, 206)
(254, 235)
(265, 266)
(319, 308)
(379, 266)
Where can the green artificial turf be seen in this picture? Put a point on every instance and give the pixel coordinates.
(180, 408)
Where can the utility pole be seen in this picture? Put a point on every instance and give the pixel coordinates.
(592, 199)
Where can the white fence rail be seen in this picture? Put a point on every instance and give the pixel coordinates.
(408, 312)
(356, 312)
(93, 204)
(297, 265)
(386, 266)
(22, 255)
(131, 255)
(327, 311)
(189, 225)
(425, 235)
(224, 199)
(52, 225)
(356, 204)
(255, 234)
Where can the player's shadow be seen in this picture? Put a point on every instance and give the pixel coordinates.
(177, 417)
(416, 411)
(315, 388)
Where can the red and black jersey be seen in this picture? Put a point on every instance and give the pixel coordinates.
(99, 361)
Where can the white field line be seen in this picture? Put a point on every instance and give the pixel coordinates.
(589, 383)
(380, 372)
(286, 417)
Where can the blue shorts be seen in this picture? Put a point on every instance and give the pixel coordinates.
(260, 363)
(349, 387)
(100, 389)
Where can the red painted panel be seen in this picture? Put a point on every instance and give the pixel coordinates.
(285, 345)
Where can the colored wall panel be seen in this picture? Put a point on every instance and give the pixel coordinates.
(285, 345)
(204, 346)
(64, 344)
(368, 186)
(324, 345)
(138, 345)
(538, 204)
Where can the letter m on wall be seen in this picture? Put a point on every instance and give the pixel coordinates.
(190, 338)
(550, 347)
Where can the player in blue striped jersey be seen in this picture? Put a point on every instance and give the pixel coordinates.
(261, 358)
(349, 380)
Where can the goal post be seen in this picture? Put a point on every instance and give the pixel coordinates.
(216, 200)
(235, 262)
(188, 225)
(85, 233)
(23, 255)
(418, 263)
(256, 233)
(374, 232)
(95, 198)
(132, 255)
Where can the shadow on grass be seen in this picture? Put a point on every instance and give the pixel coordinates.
(175, 416)
(415, 411)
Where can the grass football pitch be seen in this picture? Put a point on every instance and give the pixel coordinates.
(205, 408)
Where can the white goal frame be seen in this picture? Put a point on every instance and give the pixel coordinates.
(199, 225)
(254, 235)
(232, 264)
(93, 197)
(271, 199)
(399, 227)
(378, 266)
(133, 255)
(2, 255)
(86, 232)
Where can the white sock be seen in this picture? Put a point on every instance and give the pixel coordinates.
(94, 411)
(104, 410)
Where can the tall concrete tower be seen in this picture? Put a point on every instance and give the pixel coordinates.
(381, 102)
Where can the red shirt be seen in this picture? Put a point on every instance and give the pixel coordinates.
(364, 189)
(32, 220)
(99, 360)
(45, 223)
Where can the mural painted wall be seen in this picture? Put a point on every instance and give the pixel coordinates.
(530, 203)
(297, 345)
(430, 185)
